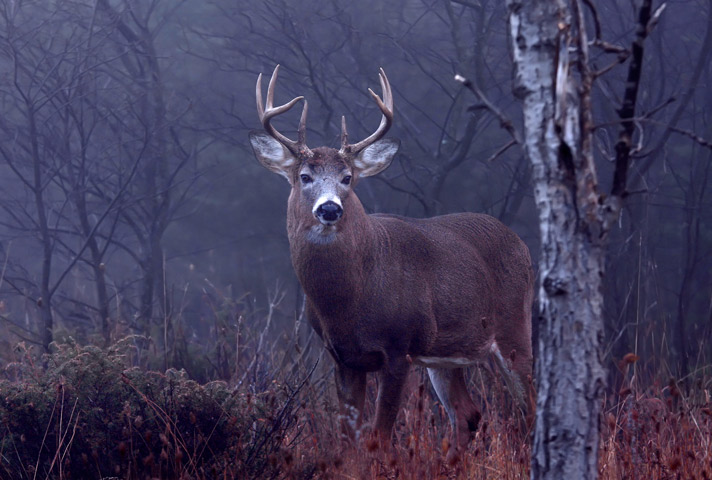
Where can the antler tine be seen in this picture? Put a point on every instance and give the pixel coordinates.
(386, 86)
(258, 94)
(302, 130)
(344, 135)
(268, 111)
(270, 88)
(386, 106)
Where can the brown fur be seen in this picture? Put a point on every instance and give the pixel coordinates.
(391, 286)
(383, 290)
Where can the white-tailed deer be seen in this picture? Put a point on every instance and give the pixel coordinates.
(384, 291)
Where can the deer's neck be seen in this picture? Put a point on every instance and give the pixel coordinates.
(333, 267)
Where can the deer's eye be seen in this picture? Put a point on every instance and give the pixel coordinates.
(305, 178)
(346, 180)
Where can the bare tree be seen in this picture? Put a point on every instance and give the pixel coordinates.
(90, 138)
(554, 79)
(49, 131)
(136, 27)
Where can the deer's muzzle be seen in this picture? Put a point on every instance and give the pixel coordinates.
(329, 212)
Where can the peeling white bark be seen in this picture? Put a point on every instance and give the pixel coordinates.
(569, 374)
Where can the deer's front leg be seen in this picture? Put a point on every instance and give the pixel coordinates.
(391, 380)
(351, 390)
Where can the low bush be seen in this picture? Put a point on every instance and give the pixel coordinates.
(87, 413)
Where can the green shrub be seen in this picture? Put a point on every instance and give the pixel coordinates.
(88, 414)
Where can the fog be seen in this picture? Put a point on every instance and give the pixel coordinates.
(131, 201)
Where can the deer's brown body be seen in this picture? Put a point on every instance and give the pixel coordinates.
(385, 291)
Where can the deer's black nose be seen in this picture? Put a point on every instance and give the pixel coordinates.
(329, 212)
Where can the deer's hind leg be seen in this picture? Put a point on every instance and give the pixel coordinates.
(449, 384)
(516, 370)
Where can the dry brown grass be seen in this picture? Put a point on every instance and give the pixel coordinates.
(656, 435)
(290, 431)
(91, 411)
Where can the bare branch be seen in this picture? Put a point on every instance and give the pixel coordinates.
(501, 151)
(505, 122)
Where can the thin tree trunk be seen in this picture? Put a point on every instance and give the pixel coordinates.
(97, 266)
(45, 300)
(694, 201)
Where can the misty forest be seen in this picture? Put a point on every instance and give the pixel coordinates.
(151, 321)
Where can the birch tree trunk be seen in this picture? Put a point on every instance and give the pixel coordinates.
(553, 84)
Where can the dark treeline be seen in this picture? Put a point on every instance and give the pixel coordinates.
(131, 203)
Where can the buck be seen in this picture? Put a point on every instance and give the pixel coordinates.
(384, 291)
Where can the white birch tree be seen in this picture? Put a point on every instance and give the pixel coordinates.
(553, 80)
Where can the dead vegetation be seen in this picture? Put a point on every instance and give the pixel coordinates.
(84, 412)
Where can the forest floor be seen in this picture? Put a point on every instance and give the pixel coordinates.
(86, 412)
(657, 435)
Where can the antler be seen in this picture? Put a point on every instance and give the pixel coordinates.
(269, 111)
(386, 106)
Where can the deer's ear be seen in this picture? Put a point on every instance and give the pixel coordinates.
(272, 154)
(376, 157)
